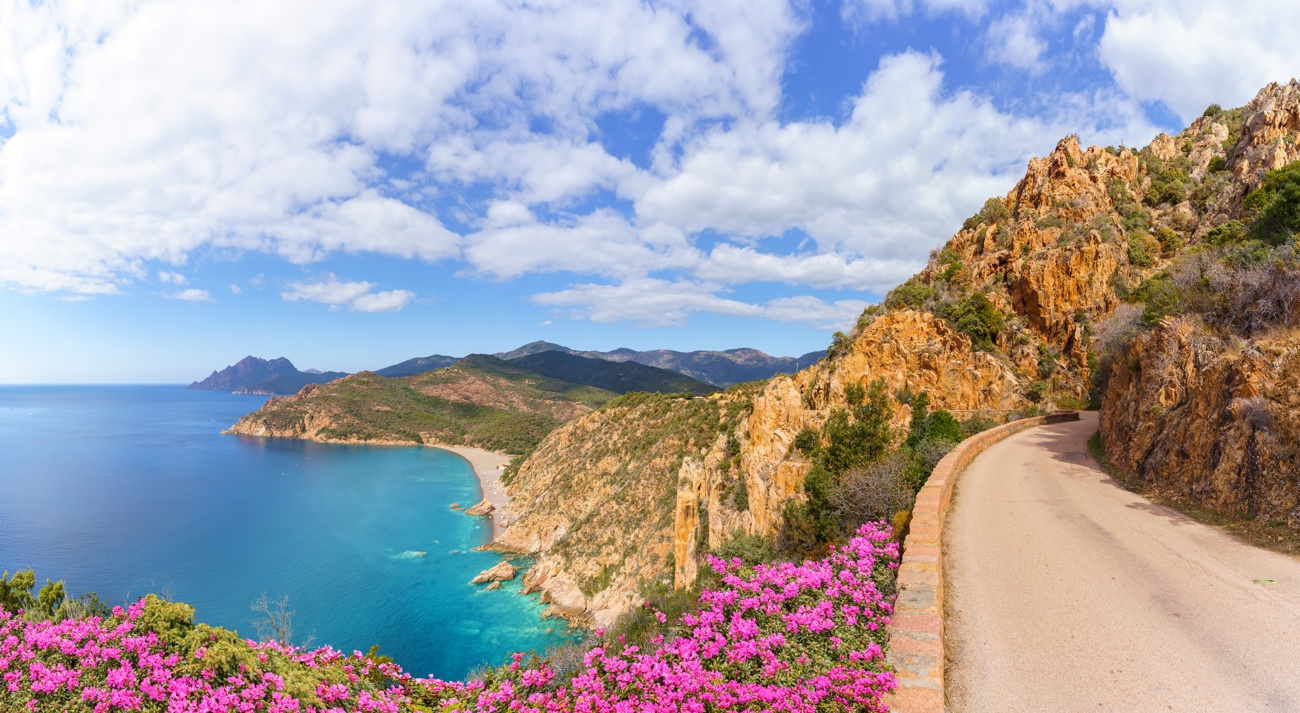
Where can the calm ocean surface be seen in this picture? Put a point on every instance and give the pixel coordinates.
(126, 490)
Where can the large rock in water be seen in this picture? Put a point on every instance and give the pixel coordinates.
(500, 573)
(483, 508)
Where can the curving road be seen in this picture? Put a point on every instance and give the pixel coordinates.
(1065, 592)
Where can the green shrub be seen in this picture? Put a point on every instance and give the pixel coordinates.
(976, 317)
(1049, 221)
(1230, 232)
(741, 498)
(750, 549)
(808, 442)
(913, 293)
(1169, 241)
(1159, 297)
(1140, 248)
(1275, 206)
(1048, 360)
(994, 211)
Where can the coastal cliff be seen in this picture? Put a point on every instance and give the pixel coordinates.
(1051, 295)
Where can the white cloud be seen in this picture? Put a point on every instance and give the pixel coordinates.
(1013, 40)
(654, 302)
(235, 289)
(732, 264)
(895, 179)
(514, 242)
(860, 13)
(1192, 53)
(146, 131)
(355, 296)
(171, 278)
(193, 295)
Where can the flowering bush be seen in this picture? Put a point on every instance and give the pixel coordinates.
(780, 637)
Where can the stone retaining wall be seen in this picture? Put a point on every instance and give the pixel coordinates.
(916, 629)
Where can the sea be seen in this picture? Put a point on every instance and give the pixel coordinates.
(130, 490)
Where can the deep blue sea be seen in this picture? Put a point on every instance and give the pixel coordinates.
(126, 490)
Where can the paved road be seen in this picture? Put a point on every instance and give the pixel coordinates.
(1067, 593)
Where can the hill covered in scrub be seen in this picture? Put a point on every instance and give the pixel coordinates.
(480, 401)
(619, 377)
(1158, 284)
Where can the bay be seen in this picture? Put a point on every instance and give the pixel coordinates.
(126, 490)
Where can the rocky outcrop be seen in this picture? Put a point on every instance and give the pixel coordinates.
(484, 507)
(1210, 420)
(596, 500)
(502, 572)
(252, 375)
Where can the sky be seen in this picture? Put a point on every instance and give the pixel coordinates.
(354, 183)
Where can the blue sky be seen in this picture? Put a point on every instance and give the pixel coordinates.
(351, 184)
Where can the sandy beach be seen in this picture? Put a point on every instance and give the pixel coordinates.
(489, 477)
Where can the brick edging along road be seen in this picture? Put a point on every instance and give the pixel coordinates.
(916, 629)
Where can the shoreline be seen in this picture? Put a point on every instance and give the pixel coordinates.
(484, 464)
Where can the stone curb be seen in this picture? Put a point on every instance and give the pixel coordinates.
(916, 629)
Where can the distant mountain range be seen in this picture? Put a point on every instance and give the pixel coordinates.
(713, 368)
(619, 377)
(252, 375)
(720, 368)
(418, 365)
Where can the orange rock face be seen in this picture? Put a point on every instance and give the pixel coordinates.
(1210, 420)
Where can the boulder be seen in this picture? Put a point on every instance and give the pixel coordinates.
(501, 572)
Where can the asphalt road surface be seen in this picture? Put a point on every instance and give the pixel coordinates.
(1066, 593)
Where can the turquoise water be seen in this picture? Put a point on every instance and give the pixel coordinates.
(126, 490)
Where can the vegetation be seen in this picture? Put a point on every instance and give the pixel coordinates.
(1274, 207)
(976, 317)
(481, 401)
(814, 638)
(994, 211)
(51, 602)
(618, 377)
(857, 476)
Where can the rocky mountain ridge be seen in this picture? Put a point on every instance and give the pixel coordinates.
(252, 375)
(719, 368)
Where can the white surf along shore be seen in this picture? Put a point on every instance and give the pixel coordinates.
(488, 466)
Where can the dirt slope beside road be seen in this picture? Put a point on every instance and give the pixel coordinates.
(1068, 593)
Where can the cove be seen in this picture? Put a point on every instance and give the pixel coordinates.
(126, 490)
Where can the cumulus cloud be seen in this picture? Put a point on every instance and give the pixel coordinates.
(654, 302)
(355, 296)
(1191, 53)
(146, 131)
(514, 242)
(171, 278)
(193, 295)
(1013, 41)
(903, 171)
